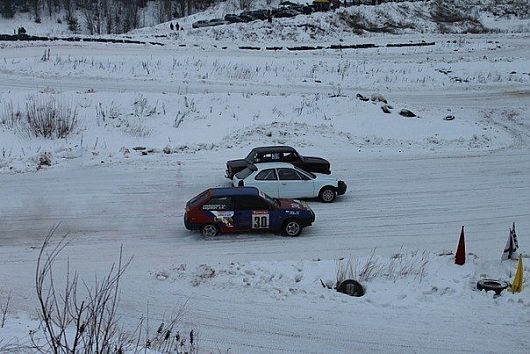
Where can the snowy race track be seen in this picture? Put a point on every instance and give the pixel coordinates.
(409, 201)
(414, 203)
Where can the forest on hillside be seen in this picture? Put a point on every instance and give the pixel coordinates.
(102, 16)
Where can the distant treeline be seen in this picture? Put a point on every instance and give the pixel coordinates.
(103, 16)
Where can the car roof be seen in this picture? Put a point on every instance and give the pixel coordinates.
(278, 148)
(232, 191)
(263, 165)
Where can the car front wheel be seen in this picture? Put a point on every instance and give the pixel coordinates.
(327, 195)
(292, 228)
(209, 230)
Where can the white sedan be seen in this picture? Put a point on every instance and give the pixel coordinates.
(283, 180)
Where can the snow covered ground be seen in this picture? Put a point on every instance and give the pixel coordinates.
(412, 184)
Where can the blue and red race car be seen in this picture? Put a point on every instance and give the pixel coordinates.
(245, 209)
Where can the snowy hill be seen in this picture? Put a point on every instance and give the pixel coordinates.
(350, 23)
(345, 23)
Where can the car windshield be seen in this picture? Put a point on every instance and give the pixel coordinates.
(251, 156)
(272, 201)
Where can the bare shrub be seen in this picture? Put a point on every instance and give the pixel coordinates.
(14, 346)
(361, 271)
(50, 119)
(112, 111)
(84, 319)
(73, 323)
(189, 108)
(3, 311)
(410, 264)
(136, 127)
(11, 117)
(190, 104)
(169, 340)
(142, 108)
(180, 118)
(401, 265)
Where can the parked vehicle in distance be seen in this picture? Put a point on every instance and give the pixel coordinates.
(287, 12)
(283, 180)
(307, 9)
(200, 23)
(209, 23)
(246, 18)
(278, 154)
(217, 22)
(256, 14)
(233, 18)
(245, 209)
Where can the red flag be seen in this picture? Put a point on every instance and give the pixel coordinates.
(460, 257)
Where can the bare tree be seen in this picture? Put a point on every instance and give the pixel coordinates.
(71, 17)
(36, 9)
(165, 10)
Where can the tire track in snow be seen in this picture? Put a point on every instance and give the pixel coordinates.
(389, 203)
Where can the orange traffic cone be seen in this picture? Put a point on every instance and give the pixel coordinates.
(460, 257)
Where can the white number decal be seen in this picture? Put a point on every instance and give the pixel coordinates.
(260, 221)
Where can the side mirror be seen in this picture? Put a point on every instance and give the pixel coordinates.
(241, 183)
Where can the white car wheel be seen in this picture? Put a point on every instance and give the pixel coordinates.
(327, 195)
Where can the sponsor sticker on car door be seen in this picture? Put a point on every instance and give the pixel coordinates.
(226, 217)
(260, 219)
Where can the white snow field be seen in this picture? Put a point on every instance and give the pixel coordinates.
(412, 184)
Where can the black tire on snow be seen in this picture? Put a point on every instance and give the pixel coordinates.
(291, 228)
(491, 284)
(209, 230)
(351, 287)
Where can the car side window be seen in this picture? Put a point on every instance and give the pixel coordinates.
(303, 176)
(251, 202)
(267, 175)
(198, 199)
(288, 174)
(289, 157)
(220, 203)
(267, 157)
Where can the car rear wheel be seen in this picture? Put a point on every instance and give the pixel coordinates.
(209, 230)
(327, 195)
(292, 228)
